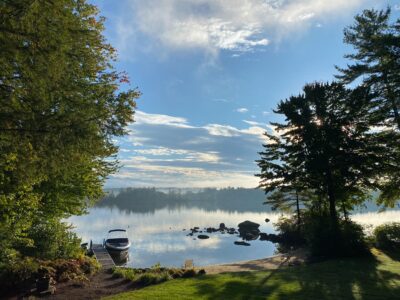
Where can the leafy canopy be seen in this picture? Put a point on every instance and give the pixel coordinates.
(60, 107)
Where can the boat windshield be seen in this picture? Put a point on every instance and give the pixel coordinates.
(118, 234)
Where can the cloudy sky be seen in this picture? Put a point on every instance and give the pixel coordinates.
(211, 72)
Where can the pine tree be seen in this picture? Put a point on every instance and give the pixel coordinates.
(325, 145)
(376, 42)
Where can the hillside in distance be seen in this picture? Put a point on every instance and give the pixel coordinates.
(148, 200)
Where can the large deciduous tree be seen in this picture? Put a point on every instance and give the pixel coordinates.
(60, 107)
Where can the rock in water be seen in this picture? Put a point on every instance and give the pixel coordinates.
(249, 230)
(222, 226)
(241, 243)
(267, 220)
(202, 236)
(248, 226)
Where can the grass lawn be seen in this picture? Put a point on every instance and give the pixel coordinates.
(377, 277)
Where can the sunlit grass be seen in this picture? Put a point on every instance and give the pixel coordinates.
(376, 277)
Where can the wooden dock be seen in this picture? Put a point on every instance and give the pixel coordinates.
(102, 256)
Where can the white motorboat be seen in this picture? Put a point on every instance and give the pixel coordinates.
(117, 241)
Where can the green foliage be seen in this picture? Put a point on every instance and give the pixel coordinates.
(290, 234)
(376, 60)
(18, 271)
(53, 239)
(387, 236)
(324, 146)
(321, 236)
(154, 275)
(60, 108)
(23, 271)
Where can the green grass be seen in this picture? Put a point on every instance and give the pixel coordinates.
(376, 277)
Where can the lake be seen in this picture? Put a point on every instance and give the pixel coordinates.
(158, 236)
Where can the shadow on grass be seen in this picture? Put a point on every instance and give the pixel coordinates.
(395, 255)
(360, 278)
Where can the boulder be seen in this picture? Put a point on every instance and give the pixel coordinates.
(222, 226)
(241, 243)
(263, 236)
(203, 236)
(248, 226)
(249, 236)
(267, 220)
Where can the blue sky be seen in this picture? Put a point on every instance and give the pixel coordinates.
(211, 72)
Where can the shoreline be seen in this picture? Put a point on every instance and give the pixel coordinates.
(268, 263)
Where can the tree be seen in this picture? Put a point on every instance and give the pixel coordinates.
(290, 200)
(376, 41)
(325, 145)
(377, 62)
(60, 107)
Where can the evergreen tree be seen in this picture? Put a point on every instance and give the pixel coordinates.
(325, 145)
(376, 42)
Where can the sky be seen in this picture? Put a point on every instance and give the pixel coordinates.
(210, 73)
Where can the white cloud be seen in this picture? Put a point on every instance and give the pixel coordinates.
(178, 154)
(222, 130)
(158, 119)
(254, 123)
(169, 151)
(242, 110)
(215, 25)
(170, 176)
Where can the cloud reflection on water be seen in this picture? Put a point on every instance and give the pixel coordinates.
(159, 237)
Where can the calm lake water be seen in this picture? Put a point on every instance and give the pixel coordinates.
(159, 237)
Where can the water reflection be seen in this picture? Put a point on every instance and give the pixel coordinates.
(159, 237)
(120, 259)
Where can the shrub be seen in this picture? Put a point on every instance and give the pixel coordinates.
(18, 272)
(387, 236)
(149, 278)
(175, 273)
(25, 270)
(189, 273)
(290, 234)
(321, 236)
(53, 240)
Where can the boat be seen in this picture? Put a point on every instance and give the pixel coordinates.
(117, 241)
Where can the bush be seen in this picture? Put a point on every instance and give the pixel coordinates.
(18, 272)
(154, 275)
(387, 236)
(25, 270)
(53, 240)
(321, 237)
(290, 234)
(189, 273)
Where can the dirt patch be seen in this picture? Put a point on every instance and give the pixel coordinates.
(100, 285)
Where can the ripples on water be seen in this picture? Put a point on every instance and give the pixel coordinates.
(159, 237)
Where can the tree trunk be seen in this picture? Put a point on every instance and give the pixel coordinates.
(298, 210)
(346, 215)
(331, 198)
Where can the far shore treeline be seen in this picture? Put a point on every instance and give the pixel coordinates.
(148, 200)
